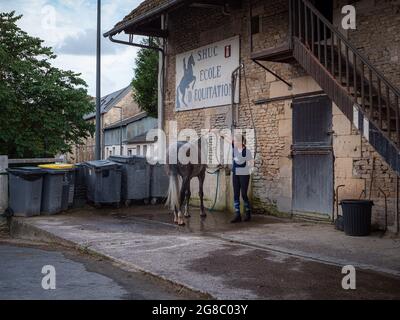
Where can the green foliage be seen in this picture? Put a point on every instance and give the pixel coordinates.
(145, 81)
(41, 107)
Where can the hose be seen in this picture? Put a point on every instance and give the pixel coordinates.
(251, 111)
(217, 172)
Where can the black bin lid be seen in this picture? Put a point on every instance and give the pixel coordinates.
(28, 173)
(357, 201)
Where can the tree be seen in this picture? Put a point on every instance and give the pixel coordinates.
(145, 82)
(41, 107)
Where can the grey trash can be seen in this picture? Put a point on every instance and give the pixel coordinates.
(103, 180)
(25, 186)
(53, 191)
(135, 177)
(68, 189)
(159, 182)
(80, 190)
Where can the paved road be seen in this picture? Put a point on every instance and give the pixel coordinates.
(78, 277)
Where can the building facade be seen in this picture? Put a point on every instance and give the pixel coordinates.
(114, 107)
(130, 135)
(324, 100)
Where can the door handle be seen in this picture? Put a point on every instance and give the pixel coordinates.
(329, 133)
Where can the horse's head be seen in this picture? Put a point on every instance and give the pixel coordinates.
(191, 60)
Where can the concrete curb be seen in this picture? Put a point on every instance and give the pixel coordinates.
(24, 231)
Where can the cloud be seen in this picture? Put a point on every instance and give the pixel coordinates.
(84, 43)
(69, 27)
(117, 69)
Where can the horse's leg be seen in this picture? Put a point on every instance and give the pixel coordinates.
(202, 177)
(185, 183)
(194, 81)
(187, 202)
(183, 98)
(176, 215)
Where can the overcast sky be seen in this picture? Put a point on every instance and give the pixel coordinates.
(69, 26)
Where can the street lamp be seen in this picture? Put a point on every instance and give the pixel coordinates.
(120, 131)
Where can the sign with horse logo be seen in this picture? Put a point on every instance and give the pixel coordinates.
(203, 75)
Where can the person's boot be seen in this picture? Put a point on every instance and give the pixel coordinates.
(237, 218)
(248, 212)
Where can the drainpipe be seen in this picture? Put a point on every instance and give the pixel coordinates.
(397, 204)
(234, 82)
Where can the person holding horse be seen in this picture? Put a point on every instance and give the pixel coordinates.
(242, 167)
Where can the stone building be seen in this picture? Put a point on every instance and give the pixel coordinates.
(130, 134)
(324, 99)
(114, 106)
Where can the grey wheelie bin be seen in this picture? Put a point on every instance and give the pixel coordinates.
(159, 183)
(103, 180)
(68, 189)
(25, 191)
(80, 190)
(52, 194)
(135, 178)
(56, 174)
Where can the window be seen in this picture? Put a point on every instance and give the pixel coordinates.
(130, 152)
(138, 151)
(113, 151)
(122, 151)
(145, 150)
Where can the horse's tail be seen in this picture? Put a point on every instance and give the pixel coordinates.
(178, 104)
(173, 191)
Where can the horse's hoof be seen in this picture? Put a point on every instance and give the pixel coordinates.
(203, 215)
(181, 224)
(187, 216)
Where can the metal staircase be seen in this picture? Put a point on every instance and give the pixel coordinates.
(360, 91)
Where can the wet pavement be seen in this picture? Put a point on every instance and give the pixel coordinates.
(78, 277)
(268, 258)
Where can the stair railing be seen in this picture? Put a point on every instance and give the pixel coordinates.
(376, 96)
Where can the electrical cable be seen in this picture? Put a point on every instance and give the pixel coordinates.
(251, 111)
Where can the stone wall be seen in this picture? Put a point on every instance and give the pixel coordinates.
(377, 22)
(377, 37)
(271, 186)
(129, 109)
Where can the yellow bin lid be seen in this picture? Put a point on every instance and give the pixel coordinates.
(55, 166)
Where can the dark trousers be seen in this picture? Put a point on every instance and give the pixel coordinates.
(240, 186)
